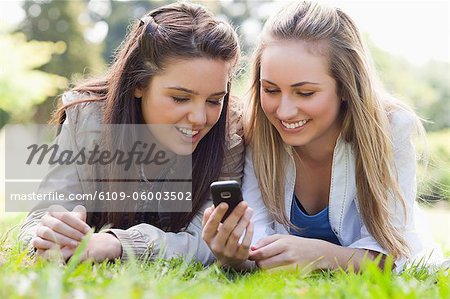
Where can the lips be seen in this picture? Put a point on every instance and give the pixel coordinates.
(187, 132)
(294, 125)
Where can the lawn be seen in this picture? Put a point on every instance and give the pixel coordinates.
(21, 277)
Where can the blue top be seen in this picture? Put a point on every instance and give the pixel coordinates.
(315, 227)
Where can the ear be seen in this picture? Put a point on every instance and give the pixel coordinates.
(138, 92)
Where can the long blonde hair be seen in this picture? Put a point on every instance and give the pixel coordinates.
(365, 122)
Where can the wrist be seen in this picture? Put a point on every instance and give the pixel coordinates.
(327, 258)
(230, 263)
(116, 246)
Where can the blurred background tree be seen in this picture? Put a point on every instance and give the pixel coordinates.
(22, 85)
(119, 15)
(425, 87)
(66, 22)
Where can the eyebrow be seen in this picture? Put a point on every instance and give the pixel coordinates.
(293, 85)
(220, 93)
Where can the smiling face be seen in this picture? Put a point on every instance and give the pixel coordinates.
(298, 95)
(187, 98)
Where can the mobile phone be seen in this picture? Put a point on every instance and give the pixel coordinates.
(228, 192)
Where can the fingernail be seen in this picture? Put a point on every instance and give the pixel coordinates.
(74, 243)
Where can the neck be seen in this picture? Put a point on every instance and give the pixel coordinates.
(320, 151)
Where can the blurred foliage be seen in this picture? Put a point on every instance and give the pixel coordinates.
(66, 22)
(426, 88)
(119, 15)
(434, 177)
(437, 75)
(22, 86)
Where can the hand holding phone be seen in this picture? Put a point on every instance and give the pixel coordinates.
(228, 192)
(228, 240)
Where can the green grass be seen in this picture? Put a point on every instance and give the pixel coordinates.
(22, 277)
(176, 279)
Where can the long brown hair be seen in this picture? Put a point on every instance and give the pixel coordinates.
(175, 31)
(365, 118)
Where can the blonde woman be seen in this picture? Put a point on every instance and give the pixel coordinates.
(330, 170)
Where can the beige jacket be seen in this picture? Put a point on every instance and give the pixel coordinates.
(143, 240)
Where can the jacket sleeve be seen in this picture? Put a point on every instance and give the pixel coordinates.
(402, 126)
(262, 220)
(63, 179)
(145, 241)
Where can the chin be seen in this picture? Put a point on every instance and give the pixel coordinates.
(183, 150)
(293, 141)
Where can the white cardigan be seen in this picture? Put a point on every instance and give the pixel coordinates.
(344, 212)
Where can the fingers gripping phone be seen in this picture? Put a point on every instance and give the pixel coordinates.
(228, 192)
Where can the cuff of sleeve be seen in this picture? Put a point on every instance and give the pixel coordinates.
(25, 245)
(132, 244)
(31, 250)
(374, 246)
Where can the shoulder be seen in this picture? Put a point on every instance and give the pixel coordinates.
(403, 124)
(233, 164)
(84, 118)
(235, 127)
(401, 119)
(82, 109)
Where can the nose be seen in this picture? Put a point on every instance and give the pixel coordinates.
(197, 115)
(287, 108)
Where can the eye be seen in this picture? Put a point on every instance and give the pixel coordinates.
(270, 90)
(180, 99)
(215, 102)
(305, 94)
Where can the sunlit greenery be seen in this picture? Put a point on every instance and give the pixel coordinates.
(23, 277)
(434, 175)
(22, 85)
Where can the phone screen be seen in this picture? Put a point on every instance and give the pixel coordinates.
(228, 192)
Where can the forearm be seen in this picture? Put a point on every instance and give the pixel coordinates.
(246, 266)
(146, 241)
(336, 256)
(28, 229)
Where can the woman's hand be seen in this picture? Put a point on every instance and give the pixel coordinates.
(223, 238)
(61, 229)
(102, 246)
(289, 251)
